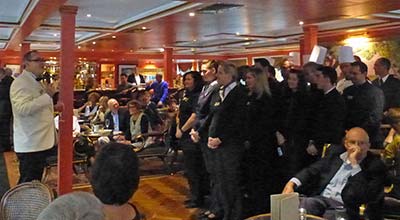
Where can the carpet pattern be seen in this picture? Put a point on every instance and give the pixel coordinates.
(160, 195)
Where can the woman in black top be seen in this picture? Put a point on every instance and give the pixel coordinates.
(260, 145)
(193, 160)
(296, 122)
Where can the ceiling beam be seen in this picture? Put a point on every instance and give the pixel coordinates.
(41, 11)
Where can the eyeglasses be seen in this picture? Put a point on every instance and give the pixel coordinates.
(40, 59)
(358, 143)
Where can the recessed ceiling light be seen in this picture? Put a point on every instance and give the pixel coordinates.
(20, 45)
(237, 33)
(247, 43)
(193, 49)
(94, 42)
(88, 15)
(161, 50)
(55, 35)
(114, 36)
(192, 14)
(194, 40)
(247, 38)
(79, 47)
(144, 28)
(301, 22)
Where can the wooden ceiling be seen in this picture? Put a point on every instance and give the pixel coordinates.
(223, 27)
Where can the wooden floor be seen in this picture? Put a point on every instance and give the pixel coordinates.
(158, 198)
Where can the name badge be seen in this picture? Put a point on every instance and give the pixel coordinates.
(217, 103)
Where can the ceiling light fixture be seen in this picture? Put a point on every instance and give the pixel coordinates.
(301, 22)
(162, 50)
(55, 35)
(79, 47)
(88, 15)
(237, 33)
(114, 36)
(94, 42)
(192, 14)
(144, 28)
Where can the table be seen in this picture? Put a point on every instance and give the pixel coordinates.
(267, 216)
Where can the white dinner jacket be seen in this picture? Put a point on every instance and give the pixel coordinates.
(33, 115)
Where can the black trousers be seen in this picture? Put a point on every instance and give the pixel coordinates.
(5, 123)
(228, 158)
(31, 165)
(195, 169)
(209, 158)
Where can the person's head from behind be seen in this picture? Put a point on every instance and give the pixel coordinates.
(123, 79)
(115, 174)
(76, 205)
(192, 81)
(359, 72)
(357, 139)
(8, 71)
(326, 78)
(257, 81)
(34, 63)
(113, 105)
(242, 71)
(309, 70)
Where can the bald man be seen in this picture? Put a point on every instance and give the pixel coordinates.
(346, 179)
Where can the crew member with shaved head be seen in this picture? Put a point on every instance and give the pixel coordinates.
(346, 179)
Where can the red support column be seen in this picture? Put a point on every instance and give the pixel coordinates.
(67, 57)
(250, 60)
(310, 38)
(25, 48)
(168, 66)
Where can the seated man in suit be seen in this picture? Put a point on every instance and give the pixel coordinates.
(116, 119)
(349, 179)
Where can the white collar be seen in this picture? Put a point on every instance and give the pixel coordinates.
(384, 78)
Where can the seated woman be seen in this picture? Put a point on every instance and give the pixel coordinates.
(115, 189)
(138, 124)
(91, 106)
(392, 154)
(101, 112)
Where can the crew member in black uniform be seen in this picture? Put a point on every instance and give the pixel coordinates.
(258, 172)
(193, 158)
(199, 134)
(227, 119)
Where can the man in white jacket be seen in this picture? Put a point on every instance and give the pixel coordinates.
(32, 105)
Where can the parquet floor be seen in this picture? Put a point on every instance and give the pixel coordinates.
(158, 197)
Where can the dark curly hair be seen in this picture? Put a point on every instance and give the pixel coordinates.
(197, 78)
(115, 174)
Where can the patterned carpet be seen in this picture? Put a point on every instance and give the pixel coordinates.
(160, 196)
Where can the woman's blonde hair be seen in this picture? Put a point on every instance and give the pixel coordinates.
(262, 85)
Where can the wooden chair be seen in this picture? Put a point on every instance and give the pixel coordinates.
(25, 201)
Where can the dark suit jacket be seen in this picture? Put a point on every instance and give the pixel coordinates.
(227, 118)
(132, 79)
(391, 91)
(328, 123)
(123, 119)
(364, 105)
(364, 187)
